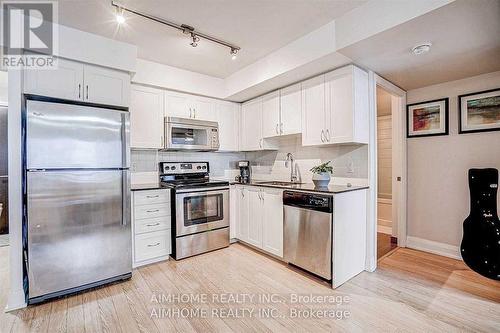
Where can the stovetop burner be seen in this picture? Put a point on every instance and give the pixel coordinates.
(187, 175)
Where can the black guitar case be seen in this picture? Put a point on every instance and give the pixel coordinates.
(480, 246)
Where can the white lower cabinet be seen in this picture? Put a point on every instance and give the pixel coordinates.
(272, 222)
(151, 226)
(259, 221)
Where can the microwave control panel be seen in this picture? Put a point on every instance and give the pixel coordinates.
(215, 138)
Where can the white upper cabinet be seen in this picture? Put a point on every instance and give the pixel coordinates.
(291, 110)
(251, 125)
(228, 117)
(177, 105)
(271, 115)
(335, 108)
(204, 109)
(80, 82)
(65, 82)
(146, 117)
(189, 106)
(106, 86)
(272, 222)
(313, 111)
(347, 105)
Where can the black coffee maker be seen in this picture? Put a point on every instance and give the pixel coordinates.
(244, 176)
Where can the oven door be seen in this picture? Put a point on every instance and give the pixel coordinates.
(188, 137)
(201, 211)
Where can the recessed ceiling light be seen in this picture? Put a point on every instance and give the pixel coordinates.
(422, 48)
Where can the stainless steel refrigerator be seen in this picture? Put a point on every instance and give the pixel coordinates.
(4, 181)
(77, 197)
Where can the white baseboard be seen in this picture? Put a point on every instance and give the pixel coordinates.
(384, 229)
(442, 249)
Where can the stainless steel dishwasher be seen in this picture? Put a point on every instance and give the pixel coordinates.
(308, 232)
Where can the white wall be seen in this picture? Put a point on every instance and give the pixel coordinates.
(438, 193)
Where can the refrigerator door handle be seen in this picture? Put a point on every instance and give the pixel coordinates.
(126, 197)
(126, 139)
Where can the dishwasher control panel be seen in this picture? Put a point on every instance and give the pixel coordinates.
(318, 202)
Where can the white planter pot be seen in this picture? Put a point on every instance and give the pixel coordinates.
(321, 179)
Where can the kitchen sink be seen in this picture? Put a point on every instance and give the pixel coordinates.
(277, 183)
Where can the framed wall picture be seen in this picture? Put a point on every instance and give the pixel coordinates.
(479, 111)
(427, 118)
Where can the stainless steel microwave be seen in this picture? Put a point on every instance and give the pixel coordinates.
(191, 134)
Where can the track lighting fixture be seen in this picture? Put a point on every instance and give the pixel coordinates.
(184, 28)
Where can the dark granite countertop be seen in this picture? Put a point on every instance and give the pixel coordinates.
(308, 187)
(146, 186)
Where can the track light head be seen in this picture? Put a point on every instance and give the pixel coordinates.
(233, 54)
(195, 39)
(120, 18)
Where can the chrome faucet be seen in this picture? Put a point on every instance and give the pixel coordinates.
(293, 170)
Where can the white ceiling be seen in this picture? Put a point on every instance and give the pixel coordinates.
(466, 42)
(257, 26)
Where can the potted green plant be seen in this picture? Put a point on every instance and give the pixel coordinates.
(321, 174)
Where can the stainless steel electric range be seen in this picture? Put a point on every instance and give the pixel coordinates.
(200, 211)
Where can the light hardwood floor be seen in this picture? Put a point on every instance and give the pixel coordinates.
(411, 291)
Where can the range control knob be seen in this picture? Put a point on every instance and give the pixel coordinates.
(198, 167)
(173, 167)
(204, 167)
(167, 168)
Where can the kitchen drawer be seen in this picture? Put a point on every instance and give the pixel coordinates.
(151, 245)
(154, 224)
(151, 197)
(150, 211)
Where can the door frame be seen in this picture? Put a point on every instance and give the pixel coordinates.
(399, 118)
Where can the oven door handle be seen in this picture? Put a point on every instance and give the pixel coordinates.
(200, 191)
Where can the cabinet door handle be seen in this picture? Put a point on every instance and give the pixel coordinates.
(190, 113)
(194, 109)
(87, 91)
(153, 225)
(281, 128)
(328, 134)
(277, 129)
(322, 136)
(79, 90)
(153, 245)
(153, 211)
(152, 196)
(161, 141)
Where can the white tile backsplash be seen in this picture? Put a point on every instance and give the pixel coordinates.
(349, 161)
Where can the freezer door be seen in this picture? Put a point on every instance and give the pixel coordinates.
(64, 136)
(78, 229)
